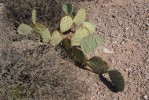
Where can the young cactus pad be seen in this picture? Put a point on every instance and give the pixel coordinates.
(98, 65)
(66, 23)
(34, 16)
(90, 27)
(88, 44)
(78, 36)
(80, 17)
(117, 80)
(24, 29)
(56, 38)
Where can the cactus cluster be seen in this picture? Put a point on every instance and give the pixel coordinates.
(77, 39)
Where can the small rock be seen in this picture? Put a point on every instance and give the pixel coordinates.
(105, 50)
(114, 42)
(145, 97)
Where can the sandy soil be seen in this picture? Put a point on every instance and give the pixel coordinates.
(35, 70)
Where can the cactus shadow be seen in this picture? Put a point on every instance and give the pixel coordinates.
(107, 83)
(65, 55)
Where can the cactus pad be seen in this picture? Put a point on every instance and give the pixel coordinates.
(56, 38)
(66, 24)
(46, 35)
(34, 16)
(90, 27)
(78, 36)
(24, 29)
(66, 44)
(68, 8)
(78, 55)
(99, 39)
(43, 31)
(88, 44)
(117, 79)
(98, 65)
(80, 17)
(39, 28)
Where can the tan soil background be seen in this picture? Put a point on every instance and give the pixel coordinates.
(39, 73)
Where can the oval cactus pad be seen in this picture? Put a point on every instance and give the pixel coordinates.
(46, 35)
(43, 31)
(90, 27)
(56, 38)
(39, 28)
(98, 65)
(80, 17)
(78, 36)
(66, 23)
(88, 44)
(24, 29)
(68, 8)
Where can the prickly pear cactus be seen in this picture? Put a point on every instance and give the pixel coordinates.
(34, 16)
(117, 80)
(88, 44)
(66, 24)
(80, 17)
(98, 65)
(78, 36)
(90, 27)
(56, 38)
(24, 29)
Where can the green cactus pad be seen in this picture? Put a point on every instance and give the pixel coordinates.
(78, 36)
(80, 17)
(46, 35)
(98, 65)
(99, 39)
(56, 38)
(88, 44)
(24, 29)
(43, 31)
(78, 55)
(66, 44)
(117, 80)
(39, 28)
(68, 8)
(34, 16)
(66, 24)
(91, 28)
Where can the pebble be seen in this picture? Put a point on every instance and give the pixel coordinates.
(105, 50)
(145, 97)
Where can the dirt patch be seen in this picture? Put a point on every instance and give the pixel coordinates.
(39, 73)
